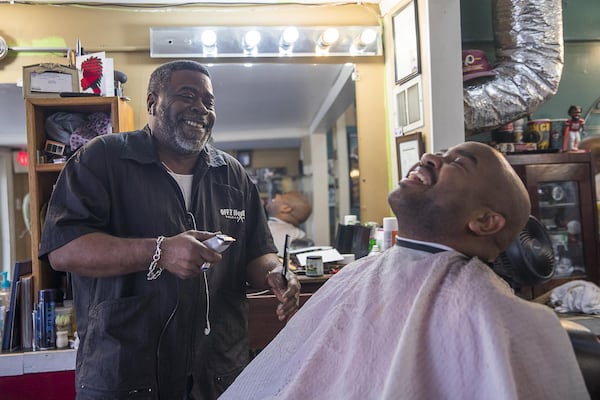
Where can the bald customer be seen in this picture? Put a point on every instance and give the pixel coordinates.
(287, 211)
(427, 318)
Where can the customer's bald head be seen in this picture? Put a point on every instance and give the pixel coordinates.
(468, 198)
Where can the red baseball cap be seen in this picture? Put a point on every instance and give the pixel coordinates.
(475, 65)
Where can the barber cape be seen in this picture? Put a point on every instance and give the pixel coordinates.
(407, 324)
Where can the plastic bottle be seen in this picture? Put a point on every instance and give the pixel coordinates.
(5, 291)
(374, 250)
(4, 301)
(390, 230)
(372, 239)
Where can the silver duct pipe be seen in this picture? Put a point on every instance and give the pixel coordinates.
(529, 60)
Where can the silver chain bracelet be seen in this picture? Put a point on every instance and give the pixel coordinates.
(154, 270)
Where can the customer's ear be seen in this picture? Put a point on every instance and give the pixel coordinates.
(486, 222)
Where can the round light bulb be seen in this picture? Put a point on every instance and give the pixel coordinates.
(209, 38)
(252, 38)
(290, 35)
(330, 36)
(368, 36)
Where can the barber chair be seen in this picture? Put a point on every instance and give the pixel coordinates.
(587, 350)
(529, 261)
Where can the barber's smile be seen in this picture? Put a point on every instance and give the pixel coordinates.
(198, 126)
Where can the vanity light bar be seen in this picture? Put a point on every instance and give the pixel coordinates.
(270, 41)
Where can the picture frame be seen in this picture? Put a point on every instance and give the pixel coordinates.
(409, 149)
(405, 28)
(408, 103)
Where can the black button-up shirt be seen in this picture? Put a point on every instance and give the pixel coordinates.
(148, 336)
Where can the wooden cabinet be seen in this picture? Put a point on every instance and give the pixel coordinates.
(561, 187)
(43, 175)
(263, 324)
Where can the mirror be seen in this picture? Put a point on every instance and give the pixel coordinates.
(267, 113)
(265, 110)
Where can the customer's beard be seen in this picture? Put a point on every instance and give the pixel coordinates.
(424, 220)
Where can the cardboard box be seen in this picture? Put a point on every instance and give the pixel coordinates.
(49, 80)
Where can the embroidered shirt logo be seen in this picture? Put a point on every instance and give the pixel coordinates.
(238, 215)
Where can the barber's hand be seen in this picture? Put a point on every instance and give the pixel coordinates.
(184, 254)
(288, 295)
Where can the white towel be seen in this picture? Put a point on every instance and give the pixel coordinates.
(576, 296)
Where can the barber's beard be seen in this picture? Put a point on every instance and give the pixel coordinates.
(174, 136)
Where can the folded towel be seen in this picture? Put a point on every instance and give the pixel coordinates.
(576, 296)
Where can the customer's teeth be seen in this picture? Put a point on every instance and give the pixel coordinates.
(418, 176)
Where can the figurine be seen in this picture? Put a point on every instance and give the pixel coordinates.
(573, 128)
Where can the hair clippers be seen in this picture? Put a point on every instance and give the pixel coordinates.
(218, 243)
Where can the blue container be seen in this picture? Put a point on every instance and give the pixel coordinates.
(46, 314)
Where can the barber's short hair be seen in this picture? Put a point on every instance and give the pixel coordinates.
(161, 76)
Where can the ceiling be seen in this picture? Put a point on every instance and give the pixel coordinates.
(274, 105)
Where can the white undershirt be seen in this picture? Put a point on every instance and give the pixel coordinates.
(185, 185)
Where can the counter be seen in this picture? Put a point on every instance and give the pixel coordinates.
(28, 375)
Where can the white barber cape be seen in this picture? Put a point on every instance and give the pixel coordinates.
(407, 324)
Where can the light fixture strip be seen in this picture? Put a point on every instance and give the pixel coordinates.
(172, 42)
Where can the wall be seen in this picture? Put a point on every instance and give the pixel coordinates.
(581, 70)
(372, 144)
(439, 39)
(273, 158)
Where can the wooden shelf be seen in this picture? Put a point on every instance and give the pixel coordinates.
(47, 167)
(42, 176)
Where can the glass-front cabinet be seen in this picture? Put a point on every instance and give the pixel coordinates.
(562, 192)
(560, 212)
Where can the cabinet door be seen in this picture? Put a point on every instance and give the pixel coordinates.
(561, 198)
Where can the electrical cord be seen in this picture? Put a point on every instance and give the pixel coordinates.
(162, 333)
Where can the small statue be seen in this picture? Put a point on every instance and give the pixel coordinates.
(573, 128)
